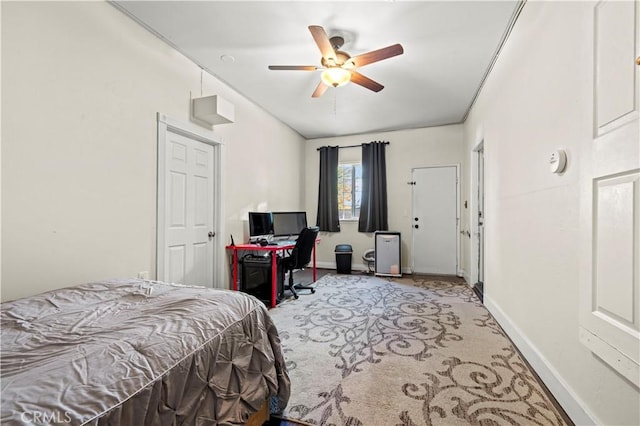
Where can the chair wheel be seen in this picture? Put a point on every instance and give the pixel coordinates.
(296, 296)
(313, 290)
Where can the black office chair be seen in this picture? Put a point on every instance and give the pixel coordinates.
(299, 258)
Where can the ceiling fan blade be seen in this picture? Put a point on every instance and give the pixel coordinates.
(377, 55)
(293, 67)
(363, 81)
(322, 40)
(320, 89)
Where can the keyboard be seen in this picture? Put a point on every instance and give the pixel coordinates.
(282, 243)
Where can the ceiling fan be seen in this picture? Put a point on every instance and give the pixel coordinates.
(339, 67)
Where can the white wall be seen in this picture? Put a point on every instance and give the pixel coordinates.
(81, 86)
(407, 149)
(0, 164)
(539, 98)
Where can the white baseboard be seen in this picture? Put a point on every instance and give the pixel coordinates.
(356, 267)
(572, 405)
(461, 274)
(326, 265)
(332, 265)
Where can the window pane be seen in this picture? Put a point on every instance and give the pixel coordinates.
(344, 191)
(349, 190)
(357, 190)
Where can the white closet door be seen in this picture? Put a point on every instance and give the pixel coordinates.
(189, 199)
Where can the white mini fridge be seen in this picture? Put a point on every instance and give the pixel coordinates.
(388, 255)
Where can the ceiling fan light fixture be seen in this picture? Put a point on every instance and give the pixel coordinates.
(335, 76)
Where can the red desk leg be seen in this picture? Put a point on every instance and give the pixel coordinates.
(235, 270)
(274, 278)
(314, 262)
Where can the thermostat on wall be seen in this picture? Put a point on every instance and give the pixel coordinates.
(558, 161)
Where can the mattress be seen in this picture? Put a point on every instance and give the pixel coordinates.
(133, 352)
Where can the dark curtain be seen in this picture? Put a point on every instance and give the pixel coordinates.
(327, 218)
(373, 207)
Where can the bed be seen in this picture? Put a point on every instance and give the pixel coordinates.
(134, 352)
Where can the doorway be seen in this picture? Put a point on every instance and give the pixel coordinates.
(435, 220)
(188, 205)
(478, 286)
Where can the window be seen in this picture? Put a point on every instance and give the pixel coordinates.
(349, 190)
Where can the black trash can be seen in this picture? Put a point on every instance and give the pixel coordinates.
(343, 258)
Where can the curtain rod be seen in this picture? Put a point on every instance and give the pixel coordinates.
(351, 146)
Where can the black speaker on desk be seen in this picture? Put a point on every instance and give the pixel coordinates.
(255, 278)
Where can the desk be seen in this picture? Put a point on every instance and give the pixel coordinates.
(274, 265)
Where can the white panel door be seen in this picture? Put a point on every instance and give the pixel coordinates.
(610, 195)
(435, 220)
(480, 204)
(189, 199)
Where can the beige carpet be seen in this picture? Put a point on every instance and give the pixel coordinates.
(368, 351)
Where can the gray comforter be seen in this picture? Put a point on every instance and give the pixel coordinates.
(132, 352)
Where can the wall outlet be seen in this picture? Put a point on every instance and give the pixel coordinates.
(144, 275)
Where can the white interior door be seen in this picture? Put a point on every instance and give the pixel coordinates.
(480, 203)
(610, 194)
(189, 209)
(435, 220)
(187, 220)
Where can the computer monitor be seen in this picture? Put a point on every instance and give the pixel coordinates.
(288, 224)
(260, 224)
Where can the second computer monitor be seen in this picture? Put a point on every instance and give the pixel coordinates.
(260, 224)
(288, 224)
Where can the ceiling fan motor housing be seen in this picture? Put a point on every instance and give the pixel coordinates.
(341, 59)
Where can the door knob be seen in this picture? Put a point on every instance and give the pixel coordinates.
(212, 234)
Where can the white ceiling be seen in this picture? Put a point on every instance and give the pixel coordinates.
(448, 48)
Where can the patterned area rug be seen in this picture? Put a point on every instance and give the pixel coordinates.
(410, 351)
